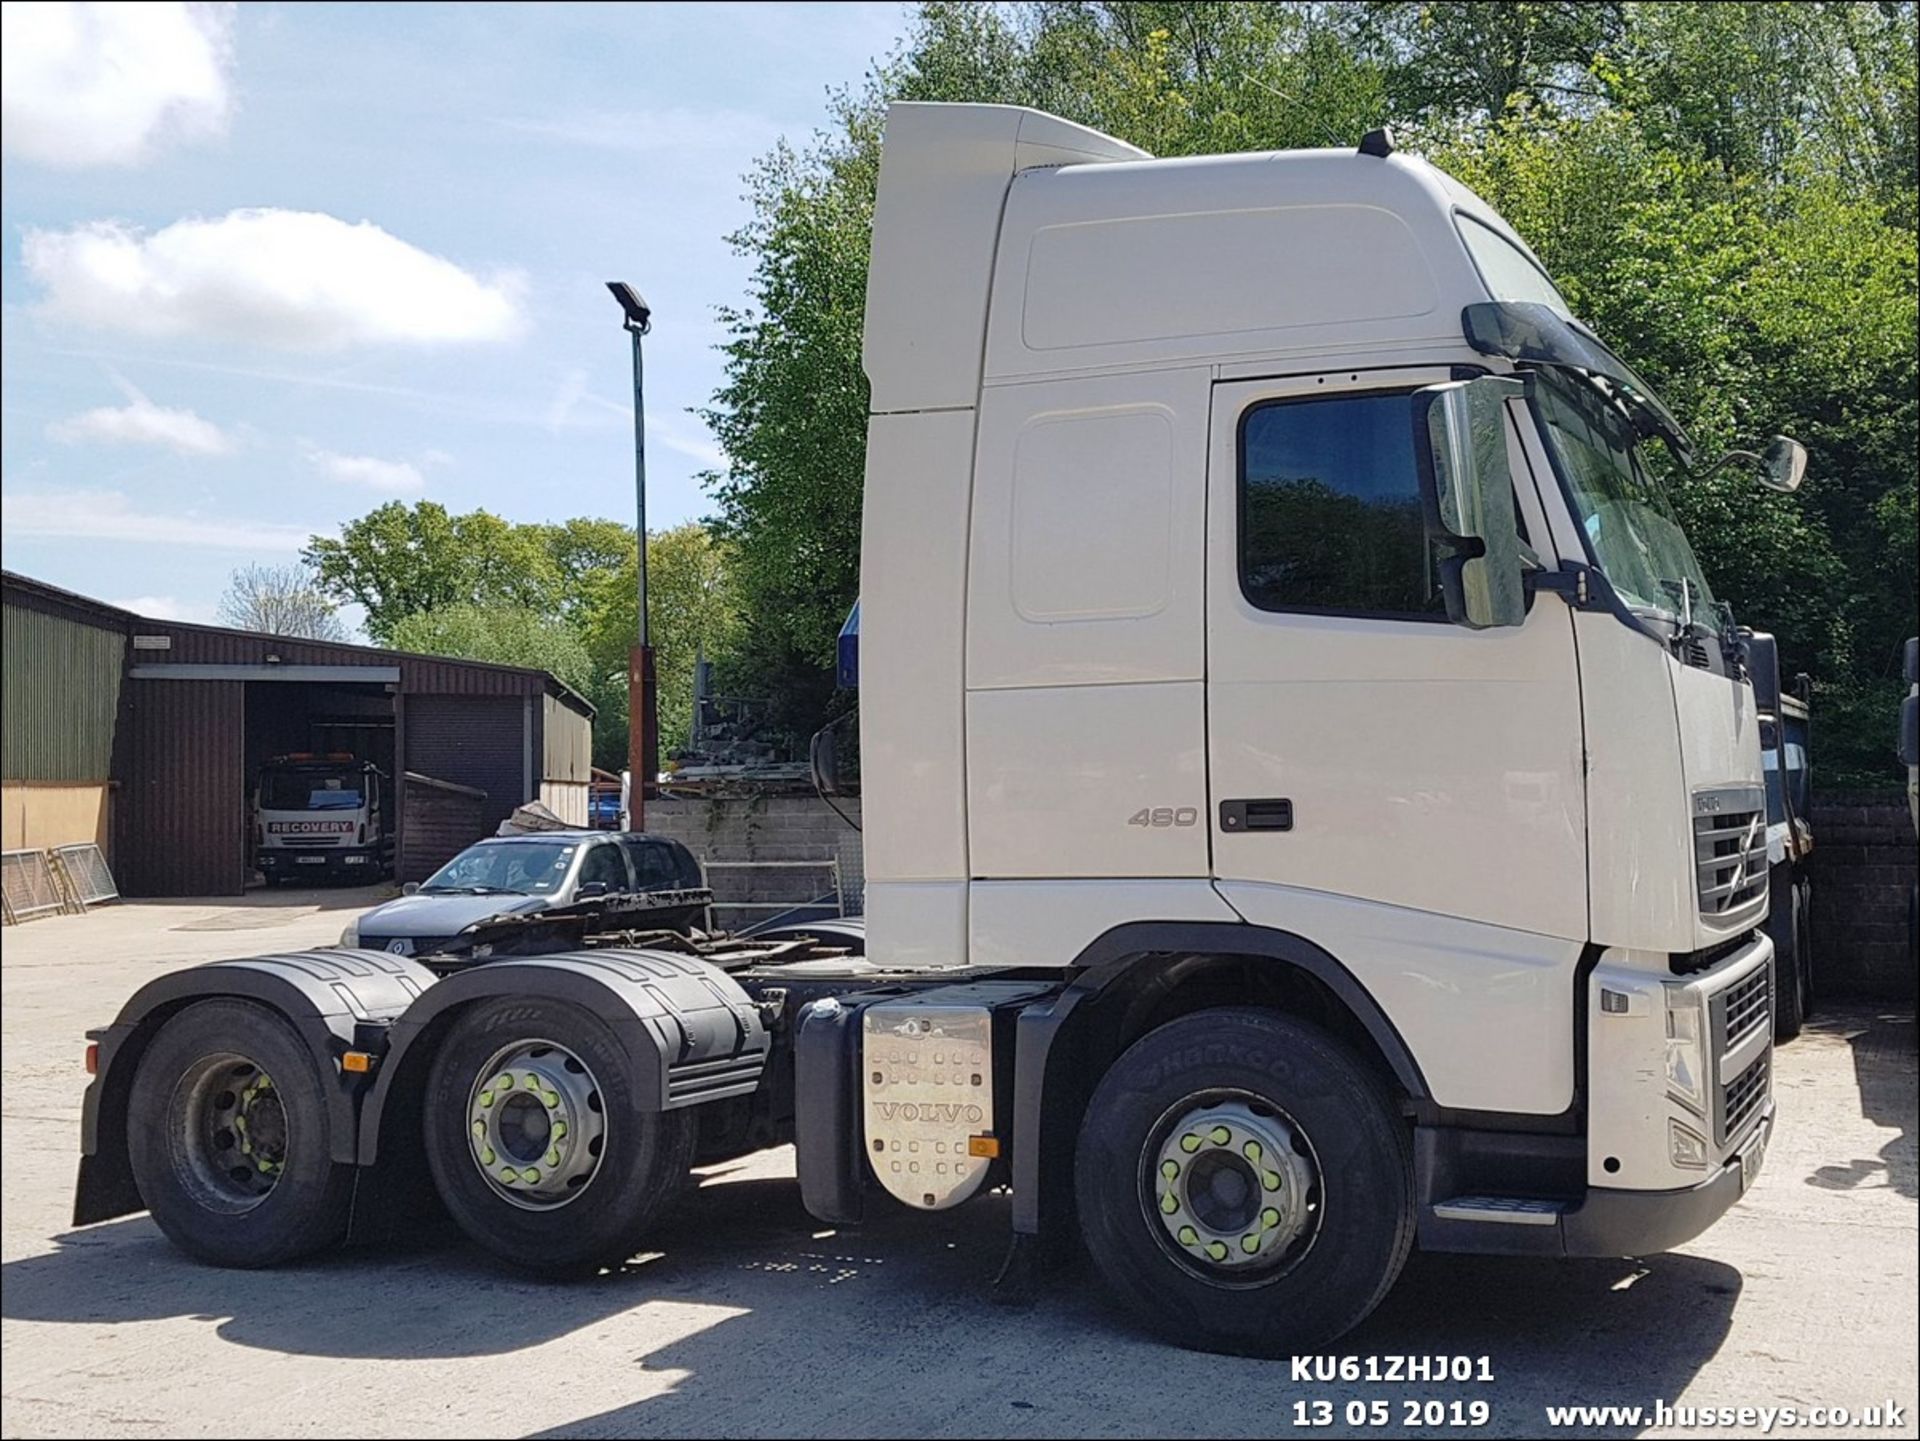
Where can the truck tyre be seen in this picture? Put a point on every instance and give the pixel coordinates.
(1245, 1184)
(230, 1138)
(1789, 967)
(536, 1141)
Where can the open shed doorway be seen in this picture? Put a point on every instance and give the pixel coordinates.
(347, 720)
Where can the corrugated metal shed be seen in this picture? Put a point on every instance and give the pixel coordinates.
(419, 674)
(181, 825)
(62, 693)
(175, 733)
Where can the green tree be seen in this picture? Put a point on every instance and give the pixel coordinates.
(693, 610)
(399, 560)
(503, 633)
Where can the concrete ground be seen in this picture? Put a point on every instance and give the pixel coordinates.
(753, 1319)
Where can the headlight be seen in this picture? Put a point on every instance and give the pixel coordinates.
(1686, 1052)
(350, 937)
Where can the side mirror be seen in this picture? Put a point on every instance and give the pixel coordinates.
(1783, 464)
(587, 890)
(1466, 492)
(410, 888)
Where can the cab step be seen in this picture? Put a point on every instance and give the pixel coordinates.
(1500, 1210)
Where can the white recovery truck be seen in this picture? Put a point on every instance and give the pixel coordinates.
(321, 817)
(1313, 804)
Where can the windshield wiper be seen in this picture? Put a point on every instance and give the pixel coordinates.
(469, 891)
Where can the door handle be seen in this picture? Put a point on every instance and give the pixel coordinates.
(1261, 815)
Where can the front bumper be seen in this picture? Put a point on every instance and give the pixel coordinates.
(339, 861)
(1613, 1222)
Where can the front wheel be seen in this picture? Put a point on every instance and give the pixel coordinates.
(231, 1141)
(536, 1143)
(1245, 1184)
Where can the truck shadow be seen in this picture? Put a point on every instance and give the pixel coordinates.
(890, 1329)
(1887, 1072)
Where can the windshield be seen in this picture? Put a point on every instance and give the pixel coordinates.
(1620, 504)
(309, 791)
(528, 868)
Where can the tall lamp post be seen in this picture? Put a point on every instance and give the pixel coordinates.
(643, 729)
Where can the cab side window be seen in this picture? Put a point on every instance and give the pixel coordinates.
(1330, 513)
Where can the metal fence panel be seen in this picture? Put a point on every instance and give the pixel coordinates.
(28, 885)
(85, 871)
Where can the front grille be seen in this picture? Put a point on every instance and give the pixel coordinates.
(1730, 849)
(422, 945)
(1744, 1006)
(1741, 1097)
(1740, 1025)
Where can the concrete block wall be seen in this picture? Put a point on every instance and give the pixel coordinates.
(760, 828)
(1863, 873)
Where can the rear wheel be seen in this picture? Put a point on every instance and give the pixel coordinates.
(536, 1142)
(1244, 1184)
(230, 1138)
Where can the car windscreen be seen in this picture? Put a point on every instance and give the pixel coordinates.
(530, 868)
(309, 791)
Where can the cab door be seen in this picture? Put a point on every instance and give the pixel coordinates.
(1359, 745)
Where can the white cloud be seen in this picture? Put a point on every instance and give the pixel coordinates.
(141, 422)
(166, 607)
(109, 84)
(641, 132)
(294, 279)
(399, 477)
(105, 515)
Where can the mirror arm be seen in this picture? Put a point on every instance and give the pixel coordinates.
(1726, 460)
(1570, 583)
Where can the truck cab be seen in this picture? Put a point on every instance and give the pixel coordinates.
(321, 817)
(1258, 551)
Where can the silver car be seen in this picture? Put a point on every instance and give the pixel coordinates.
(513, 875)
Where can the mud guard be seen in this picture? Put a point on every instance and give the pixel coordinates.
(324, 994)
(693, 1034)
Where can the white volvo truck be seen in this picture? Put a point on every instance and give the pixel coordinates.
(1313, 803)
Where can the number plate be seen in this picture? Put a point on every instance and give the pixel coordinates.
(310, 860)
(1753, 1158)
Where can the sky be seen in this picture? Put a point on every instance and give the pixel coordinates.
(268, 267)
